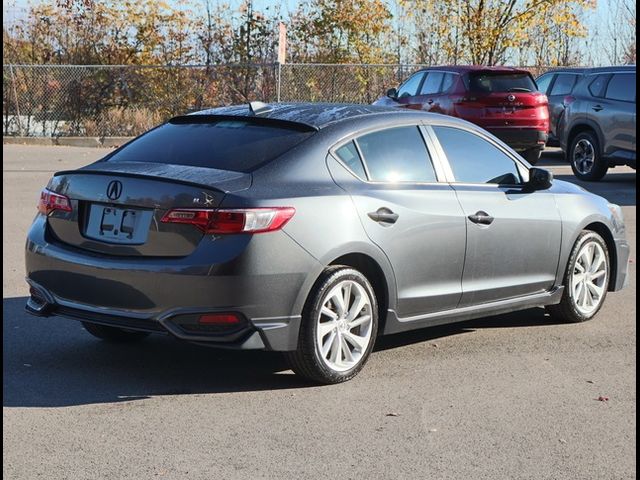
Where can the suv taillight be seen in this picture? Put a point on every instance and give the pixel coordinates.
(247, 220)
(50, 201)
(568, 100)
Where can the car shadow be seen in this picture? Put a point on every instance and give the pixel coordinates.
(53, 362)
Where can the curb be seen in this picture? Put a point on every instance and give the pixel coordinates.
(91, 142)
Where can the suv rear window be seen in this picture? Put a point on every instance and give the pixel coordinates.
(489, 82)
(236, 145)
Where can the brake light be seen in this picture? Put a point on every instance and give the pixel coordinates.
(568, 100)
(249, 220)
(542, 99)
(50, 201)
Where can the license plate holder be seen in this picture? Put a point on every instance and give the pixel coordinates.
(111, 224)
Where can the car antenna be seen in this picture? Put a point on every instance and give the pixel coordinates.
(259, 109)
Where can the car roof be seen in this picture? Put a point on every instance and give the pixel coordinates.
(314, 115)
(476, 68)
(592, 70)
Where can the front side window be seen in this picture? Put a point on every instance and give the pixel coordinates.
(475, 160)
(397, 155)
(622, 86)
(410, 87)
(564, 84)
(432, 83)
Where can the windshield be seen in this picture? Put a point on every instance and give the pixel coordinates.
(235, 145)
(491, 82)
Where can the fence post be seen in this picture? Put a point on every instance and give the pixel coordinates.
(15, 97)
(278, 80)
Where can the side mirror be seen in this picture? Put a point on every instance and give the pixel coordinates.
(539, 179)
(392, 93)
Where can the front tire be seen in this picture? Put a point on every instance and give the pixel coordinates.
(586, 159)
(586, 280)
(339, 327)
(114, 334)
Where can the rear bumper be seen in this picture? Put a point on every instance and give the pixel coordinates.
(520, 138)
(261, 284)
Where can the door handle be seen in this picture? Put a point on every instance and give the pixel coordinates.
(597, 108)
(430, 101)
(481, 218)
(383, 215)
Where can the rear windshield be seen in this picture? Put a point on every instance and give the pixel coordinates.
(490, 82)
(235, 145)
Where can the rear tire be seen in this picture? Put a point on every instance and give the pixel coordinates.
(586, 158)
(586, 280)
(114, 334)
(532, 155)
(338, 329)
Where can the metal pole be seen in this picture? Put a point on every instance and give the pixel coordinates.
(15, 97)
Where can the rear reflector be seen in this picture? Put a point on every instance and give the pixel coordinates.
(250, 220)
(50, 201)
(218, 319)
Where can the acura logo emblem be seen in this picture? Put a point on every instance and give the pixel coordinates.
(511, 98)
(114, 190)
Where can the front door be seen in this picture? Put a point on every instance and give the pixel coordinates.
(513, 235)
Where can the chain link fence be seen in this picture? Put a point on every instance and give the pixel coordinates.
(102, 101)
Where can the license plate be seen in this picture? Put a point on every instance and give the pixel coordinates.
(118, 225)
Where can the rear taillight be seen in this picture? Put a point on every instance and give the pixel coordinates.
(219, 319)
(50, 201)
(568, 100)
(249, 220)
(542, 99)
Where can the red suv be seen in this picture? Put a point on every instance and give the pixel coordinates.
(503, 100)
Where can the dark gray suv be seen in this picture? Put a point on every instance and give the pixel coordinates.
(311, 229)
(598, 127)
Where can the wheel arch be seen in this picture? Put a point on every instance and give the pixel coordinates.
(602, 230)
(585, 126)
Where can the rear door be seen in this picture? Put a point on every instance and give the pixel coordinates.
(618, 114)
(411, 215)
(562, 86)
(513, 236)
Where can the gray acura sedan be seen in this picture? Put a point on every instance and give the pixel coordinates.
(313, 228)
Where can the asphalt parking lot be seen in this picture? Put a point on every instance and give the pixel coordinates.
(505, 397)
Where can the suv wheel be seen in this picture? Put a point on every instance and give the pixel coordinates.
(586, 280)
(114, 334)
(339, 327)
(585, 157)
(532, 155)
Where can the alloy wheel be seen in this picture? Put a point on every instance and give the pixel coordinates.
(584, 156)
(589, 278)
(344, 326)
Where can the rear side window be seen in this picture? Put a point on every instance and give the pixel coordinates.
(490, 82)
(596, 86)
(410, 87)
(432, 83)
(397, 155)
(448, 81)
(564, 84)
(235, 145)
(475, 160)
(348, 153)
(544, 81)
(622, 86)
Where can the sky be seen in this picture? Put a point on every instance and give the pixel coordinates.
(596, 20)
